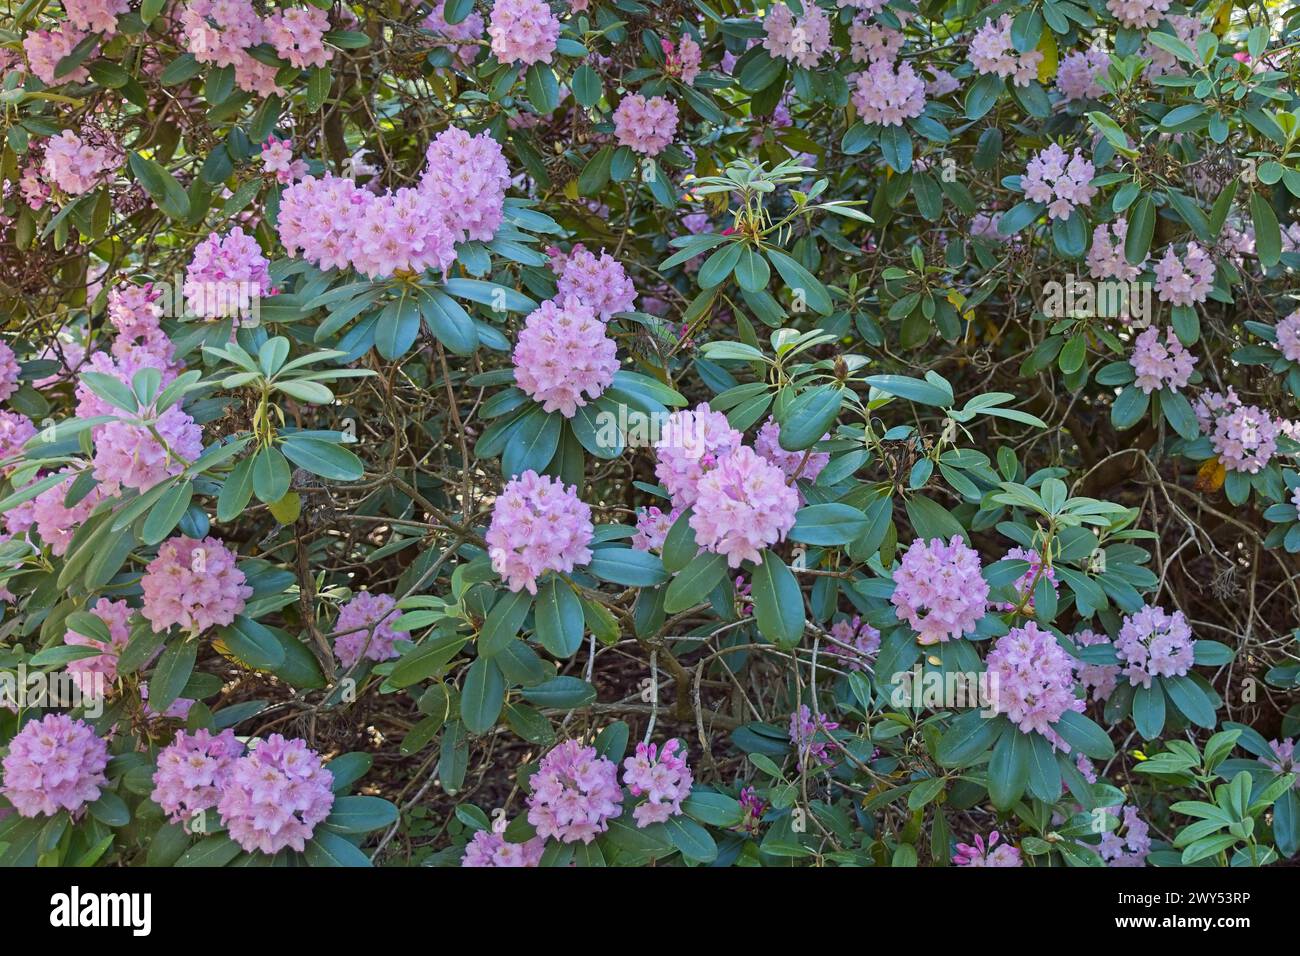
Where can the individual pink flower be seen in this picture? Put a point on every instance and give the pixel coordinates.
(193, 584)
(93, 675)
(537, 525)
(1160, 361)
(939, 590)
(889, 95)
(743, 505)
(1033, 677)
(691, 441)
(575, 793)
(563, 353)
(1152, 643)
(1059, 180)
(992, 52)
(523, 31)
(277, 159)
(599, 282)
(15, 431)
(226, 276)
(55, 763)
(365, 629)
(1285, 762)
(1185, 281)
(275, 796)
(467, 177)
(804, 41)
(662, 776)
(645, 125)
(193, 771)
(487, 848)
(991, 854)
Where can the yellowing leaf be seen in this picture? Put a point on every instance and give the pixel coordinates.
(1210, 476)
(1047, 66)
(287, 509)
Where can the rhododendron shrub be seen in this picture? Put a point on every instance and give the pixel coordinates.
(518, 433)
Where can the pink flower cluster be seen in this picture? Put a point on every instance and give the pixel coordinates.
(992, 52)
(92, 675)
(1106, 256)
(1152, 643)
(459, 38)
(1284, 751)
(220, 33)
(872, 42)
(277, 159)
(1288, 337)
(939, 589)
(1100, 679)
(1061, 181)
(1138, 14)
(811, 737)
(523, 31)
(193, 584)
(9, 371)
(537, 525)
(54, 519)
(99, 16)
(856, 643)
(991, 854)
(1132, 848)
(45, 48)
(15, 431)
(1080, 73)
(141, 453)
(575, 793)
(768, 444)
(562, 353)
(645, 125)
(193, 771)
(1034, 680)
(743, 505)
(365, 629)
(487, 848)
(298, 35)
(683, 61)
(1160, 361)
(1244, 436)
(226, 276)
(55, 763)
(77, 166)
(1028, 581)
(652, 527)
(1185, 281)
(692, 441)
(274, 796)
(662, 776)
(599, 282)
(803, 41)
(467, 178)
(135, 311)
(888, 95)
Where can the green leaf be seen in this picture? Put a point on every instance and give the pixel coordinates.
(912, 389)
(692, 584)
(329, 849)
(1268, 237)
(1149, 710)
(1141, 229)
(628, 567)
(828, 524)
(504, 622)
(1008, 772)
(160, 185)
(322, 458)
(172, 673)
(360, 814)
(778, 602)
(798, 278)
(1084, 735)
(558, 618)
(482, 695)
(806, 419)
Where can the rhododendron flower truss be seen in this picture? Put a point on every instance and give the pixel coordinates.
(531, 433)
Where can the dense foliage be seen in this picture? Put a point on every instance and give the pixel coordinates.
(628, 432)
